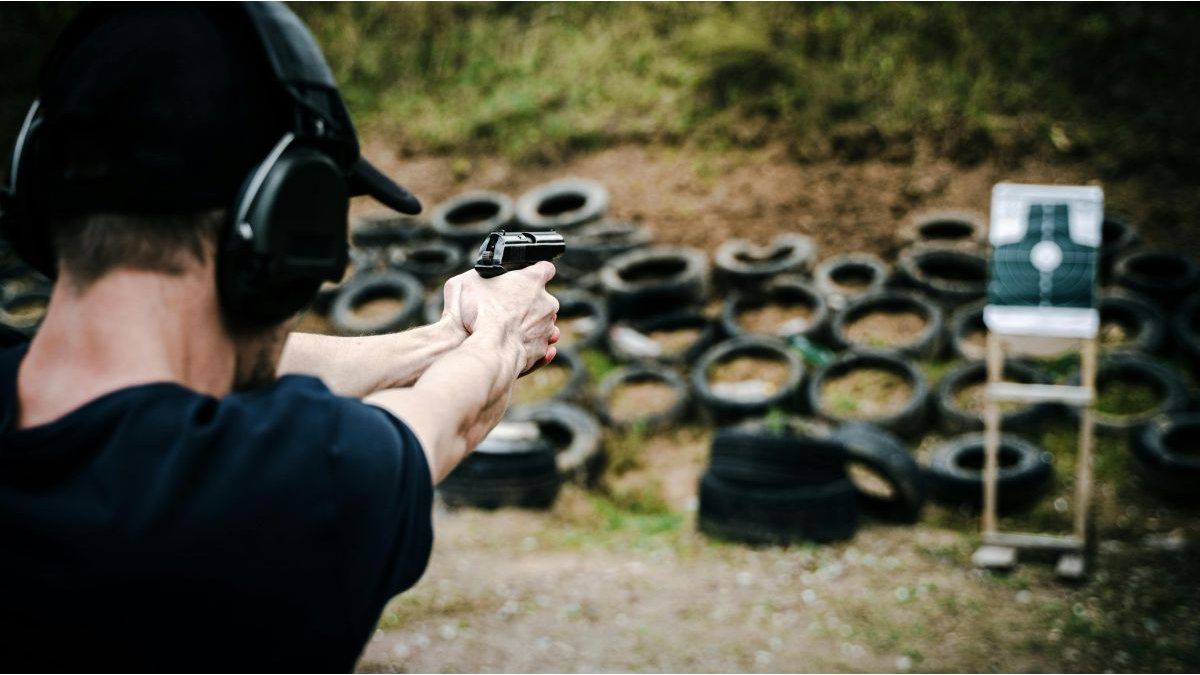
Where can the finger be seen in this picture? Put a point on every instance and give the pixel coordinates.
(540, 363)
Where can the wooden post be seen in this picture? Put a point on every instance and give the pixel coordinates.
(991, 433)
(1083, 481)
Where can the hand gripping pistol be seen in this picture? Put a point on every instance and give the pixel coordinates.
(504, 251)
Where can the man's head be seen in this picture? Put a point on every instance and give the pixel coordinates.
(160, 126)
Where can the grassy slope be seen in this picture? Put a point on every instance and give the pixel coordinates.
(539, 81)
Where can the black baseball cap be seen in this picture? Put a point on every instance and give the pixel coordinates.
(155, 108)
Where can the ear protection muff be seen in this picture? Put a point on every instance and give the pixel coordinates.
(286, 231)
(286, 234)
(29, 241)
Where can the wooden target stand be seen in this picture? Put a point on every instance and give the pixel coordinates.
(1041, 302)
(1000, 549)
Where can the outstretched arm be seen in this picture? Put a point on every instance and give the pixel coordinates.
(463, 394)
(360, 366)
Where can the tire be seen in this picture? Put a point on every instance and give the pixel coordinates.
(946, 228)
(504, 472)
(593, 245)
(757, 454)
(907, 422)
(572, 432)
(1187, 329)
(365, 260)
(577, 280)
(651, 422)
(1166, 277)
(25, 281)
(1131, 367)
(1142, 318)
(846, 277)
(956, 419)
(738, 262)
(577, 377)
(654, 280)
(885, 459)
(562, 204)
(383, 230)
(466, 220)
(328, 291)
(955, 472)
(432, 262)
(373, 286)
(726, 406)
(568, 276)
(629, 342)
(786, 289)
(927, 342)
(24, 311)
(949, 276)
(435, 302)
(965, 322)
(577, 305)
(1117, 237)
(1167, 451)
(782, 515)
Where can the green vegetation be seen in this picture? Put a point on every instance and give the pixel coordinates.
(539, 81)
(1126, 398)
(598, 364)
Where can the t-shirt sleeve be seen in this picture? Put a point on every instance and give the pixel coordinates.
(385, 496)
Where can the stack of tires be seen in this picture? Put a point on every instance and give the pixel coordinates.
(552, 439)
(777, 486)
(527, 457)
(795, 479)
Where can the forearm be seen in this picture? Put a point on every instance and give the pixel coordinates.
(360, 366)
(458, 400)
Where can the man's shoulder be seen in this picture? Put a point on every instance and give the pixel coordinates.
(303, 405)
(299, 414)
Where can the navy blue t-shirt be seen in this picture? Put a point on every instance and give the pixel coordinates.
(159, 528)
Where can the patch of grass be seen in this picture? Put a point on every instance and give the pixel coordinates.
(427, 600)
(599, 364)
(935, 369)
(643, 496)
(632, 518)
(1117, 397)
(624, 449)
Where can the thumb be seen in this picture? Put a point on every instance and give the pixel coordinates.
(543, 271)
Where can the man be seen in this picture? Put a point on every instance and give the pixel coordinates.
(167, 501)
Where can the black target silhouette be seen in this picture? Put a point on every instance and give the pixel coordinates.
(1014, 279)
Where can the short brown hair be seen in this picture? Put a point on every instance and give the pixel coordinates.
(91, 246)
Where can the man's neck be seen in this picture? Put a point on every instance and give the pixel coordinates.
(128, 328)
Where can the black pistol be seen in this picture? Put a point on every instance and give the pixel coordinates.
(504, 251)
